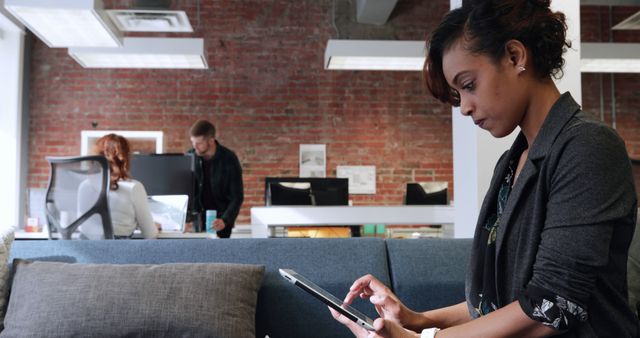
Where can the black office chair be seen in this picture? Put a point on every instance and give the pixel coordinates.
(290, 193)
(76, 199)
(427, 193)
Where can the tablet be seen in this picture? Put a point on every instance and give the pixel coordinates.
(327, 298)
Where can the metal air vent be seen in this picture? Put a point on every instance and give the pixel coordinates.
(632, 22)
(138, 20)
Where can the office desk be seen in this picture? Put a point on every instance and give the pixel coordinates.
(31, 235)
(264, 220)
(184, 235)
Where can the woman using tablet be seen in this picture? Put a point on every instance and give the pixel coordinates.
(551, 242)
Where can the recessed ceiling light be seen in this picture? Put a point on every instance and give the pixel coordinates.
(632, 22)
(66, 23)
(610, 57)
(174, 53)
(375, 55)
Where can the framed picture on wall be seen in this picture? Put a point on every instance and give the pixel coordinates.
(362, 178)
(313, 160)
(141, 141)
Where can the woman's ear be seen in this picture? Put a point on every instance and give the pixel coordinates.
(516, 55)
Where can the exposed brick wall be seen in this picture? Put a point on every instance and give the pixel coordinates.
(266, 91)
(596, 88)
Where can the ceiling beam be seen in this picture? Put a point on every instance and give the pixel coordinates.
(375, 12)
(611, 2)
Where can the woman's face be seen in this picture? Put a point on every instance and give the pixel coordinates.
(490, 93)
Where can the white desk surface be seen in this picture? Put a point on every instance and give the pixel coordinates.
(185, 235)
(31, 235)
(265, 219)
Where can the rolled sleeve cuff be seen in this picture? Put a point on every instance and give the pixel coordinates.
(550, 309)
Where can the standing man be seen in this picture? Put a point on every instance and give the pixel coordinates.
(218, 178)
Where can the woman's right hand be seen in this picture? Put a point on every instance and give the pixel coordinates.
(383, 328)
(358, 332)
(386, 303)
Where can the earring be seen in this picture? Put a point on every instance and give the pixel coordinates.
(521, 69)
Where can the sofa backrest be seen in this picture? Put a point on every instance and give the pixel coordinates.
(283, 309)
(428, 273)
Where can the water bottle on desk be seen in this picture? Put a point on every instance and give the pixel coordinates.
(210, 217)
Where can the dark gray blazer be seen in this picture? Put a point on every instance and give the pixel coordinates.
(568, 222)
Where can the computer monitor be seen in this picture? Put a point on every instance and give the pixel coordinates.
(165, 174)
(427, 193)
(306, 191)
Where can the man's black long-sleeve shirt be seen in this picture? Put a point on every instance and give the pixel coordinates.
(224, 178)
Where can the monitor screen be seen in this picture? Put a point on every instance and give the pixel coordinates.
(426, 193)
(306, 191)
(165, 174)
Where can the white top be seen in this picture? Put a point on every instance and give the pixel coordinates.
(129, 209)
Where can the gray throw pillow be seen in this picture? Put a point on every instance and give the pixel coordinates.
(51, 299)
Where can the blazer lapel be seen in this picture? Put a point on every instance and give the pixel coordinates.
(490, 200)
(559, 115)
(528, 175)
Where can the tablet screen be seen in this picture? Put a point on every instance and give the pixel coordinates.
(327, 298)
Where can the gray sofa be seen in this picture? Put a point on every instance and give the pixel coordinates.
(424, 273)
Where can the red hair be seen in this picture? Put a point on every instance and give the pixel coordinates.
(116, 149)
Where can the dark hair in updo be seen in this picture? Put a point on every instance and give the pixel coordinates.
(486, 26)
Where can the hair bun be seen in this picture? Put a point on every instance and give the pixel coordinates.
(541, 3)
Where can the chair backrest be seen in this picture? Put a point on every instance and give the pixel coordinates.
(76, 198)
(289, 193)
(425, 193)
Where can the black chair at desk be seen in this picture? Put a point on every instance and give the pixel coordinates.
(310, 191)
(76, 198)
(314, 191)
(290, 193)
(427, 193)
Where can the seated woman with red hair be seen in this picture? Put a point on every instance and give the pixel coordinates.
(127, 197)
